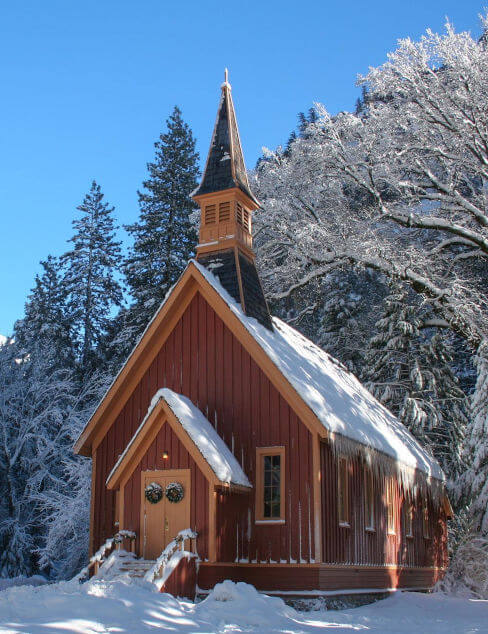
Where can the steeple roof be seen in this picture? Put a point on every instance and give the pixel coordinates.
(225, 167)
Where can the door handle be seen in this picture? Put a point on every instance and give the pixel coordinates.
(166, 524)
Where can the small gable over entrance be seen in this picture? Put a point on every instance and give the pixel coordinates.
(174, 444)
(198, 436)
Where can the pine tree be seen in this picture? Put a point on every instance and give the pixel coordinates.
(90, 280)
(45, 321)
(346, 318)
(476, 452)
(408, 369)
(445, 428)
(164, 236)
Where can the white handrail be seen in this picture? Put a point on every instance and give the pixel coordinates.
(98, 558)
(162, 561)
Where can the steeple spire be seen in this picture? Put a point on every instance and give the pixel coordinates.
(225, 166)
(226, 203)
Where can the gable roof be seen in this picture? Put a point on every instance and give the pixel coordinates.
(341, 403)
(328, 398)
(210, 446)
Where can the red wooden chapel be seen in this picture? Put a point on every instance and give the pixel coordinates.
(227, 421)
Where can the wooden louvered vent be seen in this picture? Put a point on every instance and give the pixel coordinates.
(210, 214)
(242, 215)
(246, 219)
(224, 212)
(239, 213)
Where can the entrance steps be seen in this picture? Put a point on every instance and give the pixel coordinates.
(135, 568)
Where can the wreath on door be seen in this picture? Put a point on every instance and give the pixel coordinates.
(153, 492)
(175, 492)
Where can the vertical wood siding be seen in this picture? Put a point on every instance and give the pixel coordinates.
(356, 545)
(204, 361)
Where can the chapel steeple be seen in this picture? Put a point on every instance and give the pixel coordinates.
(226, 205)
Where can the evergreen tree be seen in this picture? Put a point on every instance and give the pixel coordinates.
(346, 318)
(45, 322)
(408, 369)
(475, 480)
(90, 281)
(164, 236)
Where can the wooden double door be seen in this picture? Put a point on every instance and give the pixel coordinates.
(163, 520)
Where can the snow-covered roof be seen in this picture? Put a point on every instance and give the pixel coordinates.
(212, 447)
(340, 402)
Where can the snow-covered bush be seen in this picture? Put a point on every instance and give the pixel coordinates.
(468, 570)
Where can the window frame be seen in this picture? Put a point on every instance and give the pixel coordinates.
(369, 500)
(426, 533)
(343, 501)
(261, 453)
(408, 518)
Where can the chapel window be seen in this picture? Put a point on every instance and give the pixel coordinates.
(270, 484)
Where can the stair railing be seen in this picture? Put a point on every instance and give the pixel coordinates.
(157, 571)
(113, 543)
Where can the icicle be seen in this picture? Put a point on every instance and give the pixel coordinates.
(309, 527)
(412, 481)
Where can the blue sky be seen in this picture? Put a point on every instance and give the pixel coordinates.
(87, 86)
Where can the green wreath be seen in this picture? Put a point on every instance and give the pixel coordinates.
(175, 492)
(153, 492)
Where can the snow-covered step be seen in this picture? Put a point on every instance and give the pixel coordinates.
(137, 563)
(136, 567)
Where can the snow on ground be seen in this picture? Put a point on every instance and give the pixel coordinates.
(125, 607)
(35, 580)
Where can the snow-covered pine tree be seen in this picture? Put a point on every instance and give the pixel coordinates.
(475, 481)
(391, 364)
(445, 429)
(164, 237)
(90, 279)
(346, 318)
(45, 322)
(408, 368)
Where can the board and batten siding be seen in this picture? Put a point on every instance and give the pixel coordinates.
(355, 544)
(204, 361)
